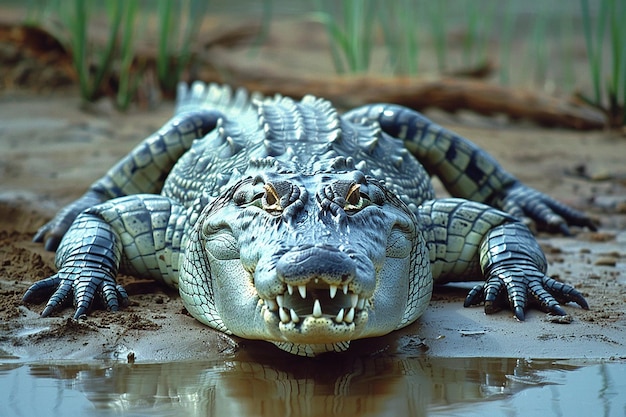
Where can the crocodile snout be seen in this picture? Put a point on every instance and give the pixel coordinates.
(322, 262)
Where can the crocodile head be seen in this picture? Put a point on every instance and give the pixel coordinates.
(307, 261)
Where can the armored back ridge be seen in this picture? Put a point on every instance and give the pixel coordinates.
(283, 221)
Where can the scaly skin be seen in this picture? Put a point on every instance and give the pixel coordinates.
(284, 221)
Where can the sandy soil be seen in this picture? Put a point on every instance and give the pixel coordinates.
(50, 151)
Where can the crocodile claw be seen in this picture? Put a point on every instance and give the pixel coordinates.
(65, 288)
(521, 288)
(515, 274)
(519, 313)
(527, 203)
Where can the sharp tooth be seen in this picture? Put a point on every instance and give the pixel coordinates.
(290, 289)
(279, 300)
(350, 316)
(302, 290)
(317, 309)
(271, 305)
(354, 299)
(345, 288)
(361, 304)
(339, 317)
(284, 316)
(294, 316)
(333, 291)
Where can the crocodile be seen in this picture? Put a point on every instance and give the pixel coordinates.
(286, 221)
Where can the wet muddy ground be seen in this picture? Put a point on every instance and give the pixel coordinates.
(51, 151)
(154, 359)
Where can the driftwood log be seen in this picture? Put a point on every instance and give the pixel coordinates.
(447, 93)
(31, 55)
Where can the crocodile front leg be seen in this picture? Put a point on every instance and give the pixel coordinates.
(88, 261)
(469, 240)
(513, 263)
(143, 170)
(138, 234)
(468, 171)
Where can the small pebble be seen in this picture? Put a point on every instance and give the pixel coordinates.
(472, 332)
(553, 318)
(606, 261)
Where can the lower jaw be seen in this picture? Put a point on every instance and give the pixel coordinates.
(318, 331)
(311, 350)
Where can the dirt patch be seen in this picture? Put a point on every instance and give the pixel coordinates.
(71, 330)
(10, 300)
(21, 261)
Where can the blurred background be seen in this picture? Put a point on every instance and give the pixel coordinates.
(516, 53)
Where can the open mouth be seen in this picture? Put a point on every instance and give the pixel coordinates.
(316, 299)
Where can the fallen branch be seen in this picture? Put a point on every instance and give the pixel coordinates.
(32, 53)
(450, 94)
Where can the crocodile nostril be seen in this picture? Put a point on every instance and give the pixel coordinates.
(304, 263)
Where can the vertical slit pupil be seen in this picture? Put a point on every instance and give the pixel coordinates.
(271, 196)
(354, 195)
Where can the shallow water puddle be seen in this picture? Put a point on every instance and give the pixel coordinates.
(342, 386)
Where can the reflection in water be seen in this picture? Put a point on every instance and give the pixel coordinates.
(339, 385)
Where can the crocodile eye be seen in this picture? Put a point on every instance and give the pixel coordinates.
(271, 200)
(355, 199)
(354, 195)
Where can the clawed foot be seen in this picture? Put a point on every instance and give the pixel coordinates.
(523, 288)
(81, 289)
(527, 203)
(514, 268)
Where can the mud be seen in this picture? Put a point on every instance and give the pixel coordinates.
(50, 151)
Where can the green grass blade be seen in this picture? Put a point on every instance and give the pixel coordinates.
(390, 35)
(472, 32)
(594, 55)
(196, 10)
(77, 23)
(164, 16)
(106, 59)
(540, 46)
(438, 29)
(349, 25)
(352, 47)
(338, 43)
(618, 43)
(507, 43)
(126, 86)
(398, 22)
(409, 23)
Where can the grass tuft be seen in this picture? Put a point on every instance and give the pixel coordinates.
(355, 28)
(609, 88)
(115, 60)
(349, 25)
